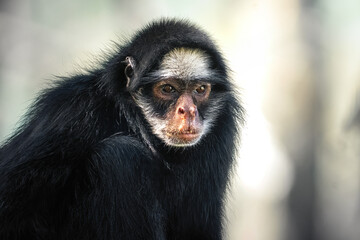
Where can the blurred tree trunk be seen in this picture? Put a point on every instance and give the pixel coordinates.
(303, 197)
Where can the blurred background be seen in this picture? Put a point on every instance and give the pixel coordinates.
(297, 63)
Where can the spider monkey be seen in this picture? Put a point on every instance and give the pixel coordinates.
(139, 147)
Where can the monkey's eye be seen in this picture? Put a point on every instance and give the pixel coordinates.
(201, 89)
(168, 89)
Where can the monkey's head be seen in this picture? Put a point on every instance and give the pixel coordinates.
(179, 81)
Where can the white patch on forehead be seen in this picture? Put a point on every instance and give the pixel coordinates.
(185, 63)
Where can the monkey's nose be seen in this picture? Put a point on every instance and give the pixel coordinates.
(187, 111)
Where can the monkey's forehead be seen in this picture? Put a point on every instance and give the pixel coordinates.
(184, 63)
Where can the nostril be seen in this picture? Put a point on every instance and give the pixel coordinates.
(181, 110)
(192, 111)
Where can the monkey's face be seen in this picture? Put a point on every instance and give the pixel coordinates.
(180, 123)
(179, 104)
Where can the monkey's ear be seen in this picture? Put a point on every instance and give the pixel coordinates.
(129, 68)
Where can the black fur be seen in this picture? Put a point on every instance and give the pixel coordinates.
(85, 164)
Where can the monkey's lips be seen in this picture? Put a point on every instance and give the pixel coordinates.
(184, 137)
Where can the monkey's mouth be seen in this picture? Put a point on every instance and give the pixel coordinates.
(184, 137)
